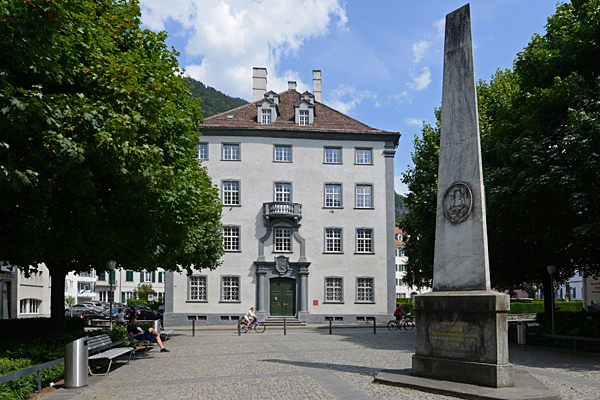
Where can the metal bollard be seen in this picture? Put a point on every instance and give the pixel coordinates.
(240, 327)
(374, 326)
(330, 327)
(193, 327)
(284, 327)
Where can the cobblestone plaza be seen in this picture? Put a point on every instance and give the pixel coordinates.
(305, 364)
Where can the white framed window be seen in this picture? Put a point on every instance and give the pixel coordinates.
(283, 192)
(283, 239)
(333, 240)
(30, 306)
(333, 155)
(203, 151)
(231, 193)
(127, 295)
(364, 240)
(304, 119)
(230, 288)
(231, 151)
(333, 195)
(363, 156)
(231, 238)
(282, 153)
(106, 295)
(146, 276)
(364, 196)
(364, 290)
(266, 116)
(334, 292)
(197, 288)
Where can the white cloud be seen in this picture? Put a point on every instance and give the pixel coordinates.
(422, 81)
(226, 38)
(346, 97)
(419, 49)
(414, 121)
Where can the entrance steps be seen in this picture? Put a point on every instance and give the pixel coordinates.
(278, 321)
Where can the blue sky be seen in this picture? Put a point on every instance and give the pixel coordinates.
(381, 60)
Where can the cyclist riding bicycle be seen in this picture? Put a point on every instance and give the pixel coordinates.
(399, 313)
(249, 317)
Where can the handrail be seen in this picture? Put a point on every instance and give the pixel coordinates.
(567, 337)
(27, 371)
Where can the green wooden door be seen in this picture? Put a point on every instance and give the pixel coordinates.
(283, 297)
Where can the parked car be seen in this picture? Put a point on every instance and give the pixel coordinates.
(100, 305)
(114, 311)
(161, 311)
(87, 316)
(143, 312)
(77, 308)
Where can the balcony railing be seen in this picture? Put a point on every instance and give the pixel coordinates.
(281, 209)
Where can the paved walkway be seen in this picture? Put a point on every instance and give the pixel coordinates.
(304, 364)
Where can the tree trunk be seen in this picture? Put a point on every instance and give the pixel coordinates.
(57, 297)
(548, 293)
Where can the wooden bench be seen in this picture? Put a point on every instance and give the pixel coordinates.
(102, 348)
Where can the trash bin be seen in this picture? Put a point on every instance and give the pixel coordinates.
(156, 325)
(76, 363)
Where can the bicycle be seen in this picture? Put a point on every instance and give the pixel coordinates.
(407, 322)
(258, 327)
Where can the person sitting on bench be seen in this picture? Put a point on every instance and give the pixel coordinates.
(146, 336)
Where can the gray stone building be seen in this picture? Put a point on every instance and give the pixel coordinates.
(308, 214)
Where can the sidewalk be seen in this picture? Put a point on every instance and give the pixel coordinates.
(304, 364)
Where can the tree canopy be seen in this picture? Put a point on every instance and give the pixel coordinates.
(97, 153)
(540, 135)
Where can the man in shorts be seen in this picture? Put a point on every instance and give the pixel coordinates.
(146, 336)
(399, 313)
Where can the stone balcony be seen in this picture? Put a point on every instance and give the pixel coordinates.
(281, 209)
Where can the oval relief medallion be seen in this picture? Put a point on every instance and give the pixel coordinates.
(458, 201)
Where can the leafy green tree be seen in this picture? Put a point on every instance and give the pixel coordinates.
(419, 221)
(143, 290)
(98, 135)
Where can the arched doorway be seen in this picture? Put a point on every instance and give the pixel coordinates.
(282, 297)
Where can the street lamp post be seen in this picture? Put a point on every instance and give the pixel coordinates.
(110, 265)
(551, 272)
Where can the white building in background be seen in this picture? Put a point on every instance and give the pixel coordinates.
(402, 289)
(33, 293)
(85, 286)
(308, 214)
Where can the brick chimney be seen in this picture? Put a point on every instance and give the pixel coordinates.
(259, 83)
(317, 84)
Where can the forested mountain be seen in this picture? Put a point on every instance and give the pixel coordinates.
(401, 209)
(213, 101)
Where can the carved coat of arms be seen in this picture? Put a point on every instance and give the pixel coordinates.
(282, 264)
(457, 202)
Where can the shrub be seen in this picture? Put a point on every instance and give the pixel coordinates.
(19, 388)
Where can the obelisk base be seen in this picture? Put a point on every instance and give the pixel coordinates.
(462, 337)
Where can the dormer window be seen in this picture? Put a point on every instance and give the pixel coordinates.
(267, 111)
(304, 117)
(304, 113)
(274, 97)
(308, 96)
(266, 116)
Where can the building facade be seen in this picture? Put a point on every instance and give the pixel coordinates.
(308, 212)
(402, 289)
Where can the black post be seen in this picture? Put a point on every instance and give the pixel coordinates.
(330, 327)
(284, 327)
(39, 381)
(374, 325)
(240, 327)
(193, 327)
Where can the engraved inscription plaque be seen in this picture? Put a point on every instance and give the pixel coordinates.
(459, 336)
(458, 201)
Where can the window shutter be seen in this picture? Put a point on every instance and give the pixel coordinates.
(153, 276)
(141, 277)
(122, 297)
(160, 277)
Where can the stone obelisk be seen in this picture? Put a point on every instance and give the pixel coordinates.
(462, 324)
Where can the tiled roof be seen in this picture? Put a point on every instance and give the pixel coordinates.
(325, 118)
(397, 232)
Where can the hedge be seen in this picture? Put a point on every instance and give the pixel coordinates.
(516, 306)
